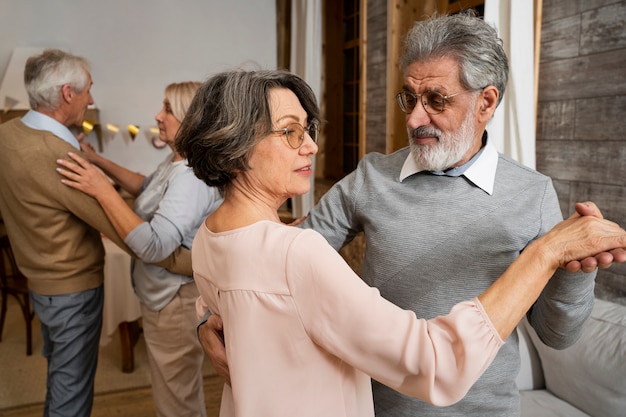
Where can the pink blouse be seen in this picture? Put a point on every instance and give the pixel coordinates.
(303, 331)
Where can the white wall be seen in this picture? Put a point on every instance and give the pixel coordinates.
(137, 47)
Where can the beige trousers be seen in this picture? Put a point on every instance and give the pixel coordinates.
(175, 356)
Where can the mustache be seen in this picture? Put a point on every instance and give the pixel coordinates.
(424, 132)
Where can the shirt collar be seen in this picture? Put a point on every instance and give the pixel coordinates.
(481, 171)
(40, 121)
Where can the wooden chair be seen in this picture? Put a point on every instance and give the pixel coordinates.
(14, 283)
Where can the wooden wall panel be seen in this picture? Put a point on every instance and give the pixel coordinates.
(611, 197)
(560, 38)
(581, 124)
(584, 76)
(585, 161)
(555, 9)
(592, 119)
(603, 29)
(600, 119)
(556, 119)
(376, 95)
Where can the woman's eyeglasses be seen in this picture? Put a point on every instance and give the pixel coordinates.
(432, 101)
(294, 132)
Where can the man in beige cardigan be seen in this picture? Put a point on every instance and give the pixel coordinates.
(55, 230)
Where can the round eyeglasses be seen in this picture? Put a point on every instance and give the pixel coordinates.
(294, 133)
(432, 101)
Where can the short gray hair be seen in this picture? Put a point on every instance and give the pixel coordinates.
(228, 116)
(469, 39)
(45, 74)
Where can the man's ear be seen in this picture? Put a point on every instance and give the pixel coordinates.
(67, 92)
(488, 101)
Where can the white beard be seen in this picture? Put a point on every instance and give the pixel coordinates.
(449, 150)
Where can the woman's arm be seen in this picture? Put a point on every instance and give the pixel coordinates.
(584, 235)
(505, 302)
(125, 178)
(436, 360)
(121, 216)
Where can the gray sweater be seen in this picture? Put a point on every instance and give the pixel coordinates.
(433, 241)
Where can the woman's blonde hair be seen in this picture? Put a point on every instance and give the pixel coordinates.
(180, 96)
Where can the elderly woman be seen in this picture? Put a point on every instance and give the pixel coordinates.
(171, 204)
(303, 333)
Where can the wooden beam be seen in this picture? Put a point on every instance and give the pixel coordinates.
(538, 19)
(283, 34)
(362, 78)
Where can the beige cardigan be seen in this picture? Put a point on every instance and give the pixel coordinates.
(54, 229)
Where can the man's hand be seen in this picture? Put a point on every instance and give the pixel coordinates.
(600, 260)
(211, 338)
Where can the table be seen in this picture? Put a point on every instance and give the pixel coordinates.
(121, 306)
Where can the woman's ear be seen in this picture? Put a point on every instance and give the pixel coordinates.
(488, 101)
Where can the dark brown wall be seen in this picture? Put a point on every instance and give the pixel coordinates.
(581, 119)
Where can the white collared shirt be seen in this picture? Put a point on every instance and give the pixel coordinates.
(481, 170)
(40, 121)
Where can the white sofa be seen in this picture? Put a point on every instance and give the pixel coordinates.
(586, 379)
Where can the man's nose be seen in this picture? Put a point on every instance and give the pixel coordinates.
(418, 117)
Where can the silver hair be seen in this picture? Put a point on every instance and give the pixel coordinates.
(469, 39)
(47, 73)
(228, 116)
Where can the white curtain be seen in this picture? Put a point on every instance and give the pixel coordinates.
(306, 61)
(513, 126)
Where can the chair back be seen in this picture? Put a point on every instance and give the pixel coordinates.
(8, 267)
(13, 282)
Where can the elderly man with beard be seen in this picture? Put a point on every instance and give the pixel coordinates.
(444, 217)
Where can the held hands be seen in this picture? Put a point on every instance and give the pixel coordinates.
(593, 242)
(83, 176)
(211, 338)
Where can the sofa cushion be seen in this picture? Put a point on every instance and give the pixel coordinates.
(530, 375)
(540, 403)
(591, 374)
